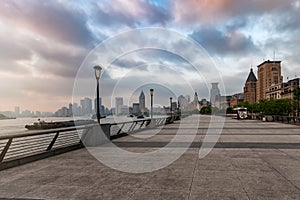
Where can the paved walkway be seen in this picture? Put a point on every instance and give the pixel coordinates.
(252, 160)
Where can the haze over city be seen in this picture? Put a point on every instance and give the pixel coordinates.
(43, 44)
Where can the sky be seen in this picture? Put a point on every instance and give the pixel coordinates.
(46, 47)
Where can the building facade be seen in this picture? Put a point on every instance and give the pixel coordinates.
(236, 99)
(119, 103)
(268, 75)
(274, 91)
(142, 102)
(250, 88)
(214, 93)
(287, 90)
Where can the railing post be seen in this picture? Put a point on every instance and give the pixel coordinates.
(119, 131)
(142, 124)
(53, 141)
(2, 155)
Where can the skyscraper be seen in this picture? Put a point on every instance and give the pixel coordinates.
(17, 111)
(119, 104)
(95, 104)
(269, 74)
(142, 102)
(250, 88)
(196, 101)
(86, 105)
(214, 93)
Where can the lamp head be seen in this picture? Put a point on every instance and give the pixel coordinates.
(151, 91)
(97, 69)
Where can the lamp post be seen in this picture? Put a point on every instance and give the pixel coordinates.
(97, 75)
(171, 105)
(151, 104)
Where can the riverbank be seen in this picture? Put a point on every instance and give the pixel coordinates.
(2, 117)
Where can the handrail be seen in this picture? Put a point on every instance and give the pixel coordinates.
(16, 148)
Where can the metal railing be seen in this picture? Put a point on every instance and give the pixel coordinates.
(16, 149)
(136, 125)
(276, 118)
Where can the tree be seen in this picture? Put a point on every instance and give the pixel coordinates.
(229, 110)
(297, 99)
(206, 110)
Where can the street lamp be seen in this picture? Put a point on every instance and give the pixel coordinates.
(151, 94)
(97, 75)
(171, 105)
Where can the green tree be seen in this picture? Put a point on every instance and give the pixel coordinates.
(229, 110)
(297, 99)
(206, 110)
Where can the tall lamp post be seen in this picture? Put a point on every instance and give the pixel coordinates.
(171, 106)
(97, 75)
(151, 94)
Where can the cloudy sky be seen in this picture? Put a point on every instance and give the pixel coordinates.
(44, 43)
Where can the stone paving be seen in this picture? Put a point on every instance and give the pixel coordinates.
(252, 160)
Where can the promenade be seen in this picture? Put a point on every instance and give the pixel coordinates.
(252, 160)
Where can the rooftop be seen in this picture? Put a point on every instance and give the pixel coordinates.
(268, 61)
(251, 77)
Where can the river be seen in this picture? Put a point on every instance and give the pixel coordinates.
(11, 126)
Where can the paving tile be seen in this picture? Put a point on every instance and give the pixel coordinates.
(266, 182)
(174, 172)
(168, 183)
(223, 184)
(53, 192)
(250, 164)
(203, 174)
(104, 192)
(273, 195)
(150, 194)
(219, 165)
(217, 195)
(15, 190)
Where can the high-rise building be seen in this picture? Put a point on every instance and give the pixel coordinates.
(119, 103)
(188, 98)
(70, 110)
(214, 93)
(250, 88)
(86, 105)
(196, 101)
(95, 104)
(182, 102)
(268, 75)
(135, 108)
(17, 111)
(142, 102)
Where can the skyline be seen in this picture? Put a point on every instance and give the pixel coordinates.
(44, 43)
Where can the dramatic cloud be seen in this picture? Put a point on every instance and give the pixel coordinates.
(43, 44)
(51, 19)
(222, 43)
(217, 11)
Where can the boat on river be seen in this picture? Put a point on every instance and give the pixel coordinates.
(42, 125)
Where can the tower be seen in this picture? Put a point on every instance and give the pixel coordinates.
(119, 104)
(269, 74)
(214, 93)
(142, 102)
(196, 101)
(250, 88)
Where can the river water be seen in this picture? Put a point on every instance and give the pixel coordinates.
(11, 126)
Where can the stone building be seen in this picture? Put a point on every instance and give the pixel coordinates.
(142, 102)
(287, 90)
(250, 88)
(214, 94)
(268, 75)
